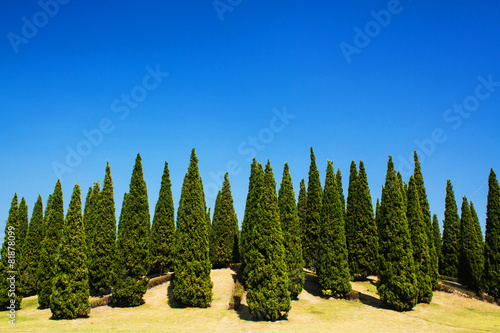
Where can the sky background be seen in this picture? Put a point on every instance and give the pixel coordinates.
(226, 75)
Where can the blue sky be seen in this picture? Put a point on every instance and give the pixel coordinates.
(357, 81)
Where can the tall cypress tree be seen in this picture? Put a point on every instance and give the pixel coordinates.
(350, 214)
(102, 252)
(46, 216)
(377, 216)
(363, 250)
(251, 217)
(437, 239)
(479, 232)
(397, 279)
(86, 218)
(163, 229)
(470, 261)
(22, 217)
(333, 267)
(451, 234)
(313, 214)
(341, 191)
(90, 219)
(302, 211)
(290, 226)
(426, 213)
(492, 238)
(9, 261)
(31, 251)
(419, 242)
(47, 264)
(268, 296)
(70, 286)
(132, 248)
(192, 283)
(213, 235)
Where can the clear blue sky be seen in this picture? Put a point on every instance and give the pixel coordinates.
(360, 89)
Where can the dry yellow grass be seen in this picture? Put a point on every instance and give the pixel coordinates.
(446, 313)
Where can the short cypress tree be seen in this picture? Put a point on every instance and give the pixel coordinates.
(31, 251)
(313, 214)
(338, 178)
(333, 267)
(90, 218)
(224, 233)
(163, 230)
(397, 279)
(132, 248)
(437, 238)
(351, 214)
(363, 250)
(9, 261)
(426, 213)
(102, 252)
(419, 242)
(302, 211)
(491, 275)
(470, 261)
(251, 216)
(451, 235)
(192, 283)
(53, 234)
(268, 296)
(22, 217)
(70, 286)
(290, 226)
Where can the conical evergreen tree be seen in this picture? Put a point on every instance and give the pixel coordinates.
(102, 253)
(419, 242)
(351, 214)
(403, 188)
(363, 255)
(302, 212)
(437, 239)
(268, 296)
(192, 283)
(333, 267)
(492, 239)
(132, 248)
(22, 217)
(53, 234)
(341, 191)
(377, 216)
(397, 279)
(46, 216)
(313, 214)
(70, 286)
(86, 218)
(224, 228)
(251, 217)
(426, 214)
(90, 219)
(470, 260)
(290, 226)
(31, 251)
(163, 230)
(479, 232)
(9, 262)
(451, 234)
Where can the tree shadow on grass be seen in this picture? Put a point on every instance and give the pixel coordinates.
(313, 288)
(372, 301)
(171, 300)
(244, 313)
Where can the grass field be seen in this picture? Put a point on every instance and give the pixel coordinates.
(311, 313)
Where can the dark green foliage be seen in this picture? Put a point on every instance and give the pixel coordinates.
(332, 264)
(192, 283)
(492, 238)
(86, 214)
(251, 216)
(341, 191)
(302, 211)
(268, 296)
(363, 246)
(132, 248)
(70, 286)
(102, 252)
(419, 242)
(313, 214)
(426, 214)
(22, 220)
(377, 214)
(479, 233)
(350, 214)
(403, 188)
(470, 268)
(46, 216)
(290, 226)
(53, 234)
(90, 218)
(224, 236)
(397, 278)
(31, 251)
(161, 247)
(437, 238)
(451, 235)
(9, 260)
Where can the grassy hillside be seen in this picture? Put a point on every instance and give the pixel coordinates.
(446, 313)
